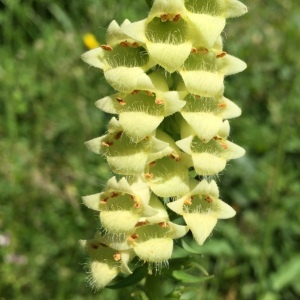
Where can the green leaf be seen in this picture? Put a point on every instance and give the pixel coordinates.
(218, 248)
(137, 275)
(201, 268)
(190, 249)
(287, 274)
(188, 278)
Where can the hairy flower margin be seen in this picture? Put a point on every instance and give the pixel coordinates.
(172, 117)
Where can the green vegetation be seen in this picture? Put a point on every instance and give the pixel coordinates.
(47, 112)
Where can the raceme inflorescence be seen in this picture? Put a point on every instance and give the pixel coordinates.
(168, 138)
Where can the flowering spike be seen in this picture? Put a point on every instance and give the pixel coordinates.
(171, 121)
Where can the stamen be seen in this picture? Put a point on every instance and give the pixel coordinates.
(135, 92)
(152, 164)
(106, 47)
(107, 144)
(134, 45)
(117, 256)
(175, 156)
(149, 176)
(159, 101)
(222, 54)
(208, 199)
(196, 96)
(118, 135)
(138, 224)
(202, 50)
(149, 93)
(217, 138)
(177, 18)
(188, 201)
(164, 17)
(104, 201)
(124, 44)
(121, 101)
(137, 204)
(163, 224)
(222, 105)
(133, 237)
(225, 146)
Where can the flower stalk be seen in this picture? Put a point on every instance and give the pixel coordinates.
(168, 139)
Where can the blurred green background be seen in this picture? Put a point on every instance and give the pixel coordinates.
(47, 112)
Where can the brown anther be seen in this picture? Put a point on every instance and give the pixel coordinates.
(106, 47)
(149, 93)
(95, 246)
(188, 201)
(225, 146)
(149, 176)
(208, 199)
(217, 138)
(164, 17)
(163, 224)
(176, 157)
(135, 92)
(222, 54)
(118, 135)
(159, 101)
(177, 18)
(137, 204)
(124, 44)
(103, 245)
(138, 224)
(117, 256)
(193, 50)
(132, 197)
(107, 144)
(134, 45)
(104, 201)
(222, 105)
(202, 50)
(152, 164)
(196, 96)
(146, 139)
(114, 195)
(133, 237)
(172, 156)
(121, 101)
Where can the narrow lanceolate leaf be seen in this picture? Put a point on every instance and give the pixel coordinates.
(188, 278)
